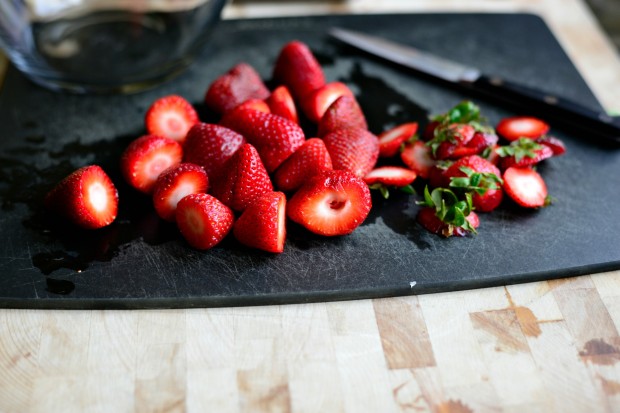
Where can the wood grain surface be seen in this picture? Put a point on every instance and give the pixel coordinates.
(540, 347)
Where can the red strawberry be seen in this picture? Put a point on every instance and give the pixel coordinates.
(282, 104)
(174, 184)
(475, 146)
(526, 187)
(210, 146)
(474, 162)
(275, 137)
(316, 103)
(332, 203)
(391, 140)
(310, 159)
(203, 220)
(344, 112)
(391, 176)
(530, 156)
(297, 68)
(429, 131)
(242, 179)
(555, 144)
(147, 157)
(256, 104)
(87, 197)
(437, 175)
(479, 176)
(171, 117)
(447, 139)
(262, 224)
(522, 127)
(355, 150)
(429, 220)
(417, 157)
(233, 88)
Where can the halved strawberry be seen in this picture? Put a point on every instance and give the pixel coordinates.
(417, 156)
(315, 104)
(262, 224)
(242, 179)
(231, 89)
(147, 157)
(526, 187)
(517, 127)
(450, 137)
(203, 220)
(332, 203)
(355, 150)
(87, 197)
(210, 146)
(391, 176)
(256, 104)
(310, 159)
(297, 68)
(171, 117)
(174, 184)
(391, 140)
(555, 144)
(344, 112)
(282, 104)
(523, 152)
(275, 137)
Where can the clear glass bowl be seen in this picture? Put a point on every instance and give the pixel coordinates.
(104, 46)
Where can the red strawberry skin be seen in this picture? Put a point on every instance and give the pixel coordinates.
(492, 198)
(297, 68)
(275, 137)
(316, 103)
(146, 158)
(262, 224)
(332, 203)
(203, 220)
(391, 140)
(174, 184)
(242, 179)
(171, 117)
(525, 186)
(555, 144)
(391, 176)
(87, 197)
(210, 146)
(355, 150)
(281, 103)
(239, 84)
(344, 112)
(310, 159)
(517, 127)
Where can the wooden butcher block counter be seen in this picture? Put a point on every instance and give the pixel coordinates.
(547, 346)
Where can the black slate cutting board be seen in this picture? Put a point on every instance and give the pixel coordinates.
(140, 261)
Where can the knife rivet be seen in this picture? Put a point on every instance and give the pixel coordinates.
(552, 100)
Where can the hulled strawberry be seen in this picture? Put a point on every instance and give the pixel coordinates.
(310, 159)
(417, 156)
(518, 127)
(390, 176)
(523, 152)
(297, 68)
(147, 157)
(171, 117)
(355, 150)
(262, 224)
(203, 220)
(231, 89)
(344, 112)
(481, 178)
(443, 213)
(210, 146)
(332, 203)
(87, 197)
(174, 184)
(275, 137)
(315, 104)
(391, 140)
(281, 103)
(526, 187)
(242, 179)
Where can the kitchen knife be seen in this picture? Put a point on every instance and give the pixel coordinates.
(590, 123)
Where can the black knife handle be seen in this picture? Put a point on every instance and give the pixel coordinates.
(580, 119)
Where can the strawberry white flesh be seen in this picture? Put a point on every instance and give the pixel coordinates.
(390, 140)
(525, 186)
(417, 156)
(171, 117)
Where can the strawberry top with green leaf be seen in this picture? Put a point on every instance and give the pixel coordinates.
(523, 152)
(449, 209)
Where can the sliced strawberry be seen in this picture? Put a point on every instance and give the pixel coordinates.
(231, 89)
(297, 68)
(526, 187)
(275, 137)
(147, 157)
(87, 197)
(210, 146)
(310, 159)
(517, 127)
(355, 150)
(316, 103)
(174, 184)
(242, 179)
(256, 104)
(481, 178)
(523, 152)
(391, 176)
(282, 104)
(555, 144)
(417, 157)
(262, 224)
(391, 140)
(332, 203)
(171, 117)
(203, 220)
(429, 220)
(344, 112)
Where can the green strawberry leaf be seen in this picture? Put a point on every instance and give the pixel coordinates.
(521, 148)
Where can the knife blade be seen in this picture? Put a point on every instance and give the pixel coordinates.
(593, 124)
